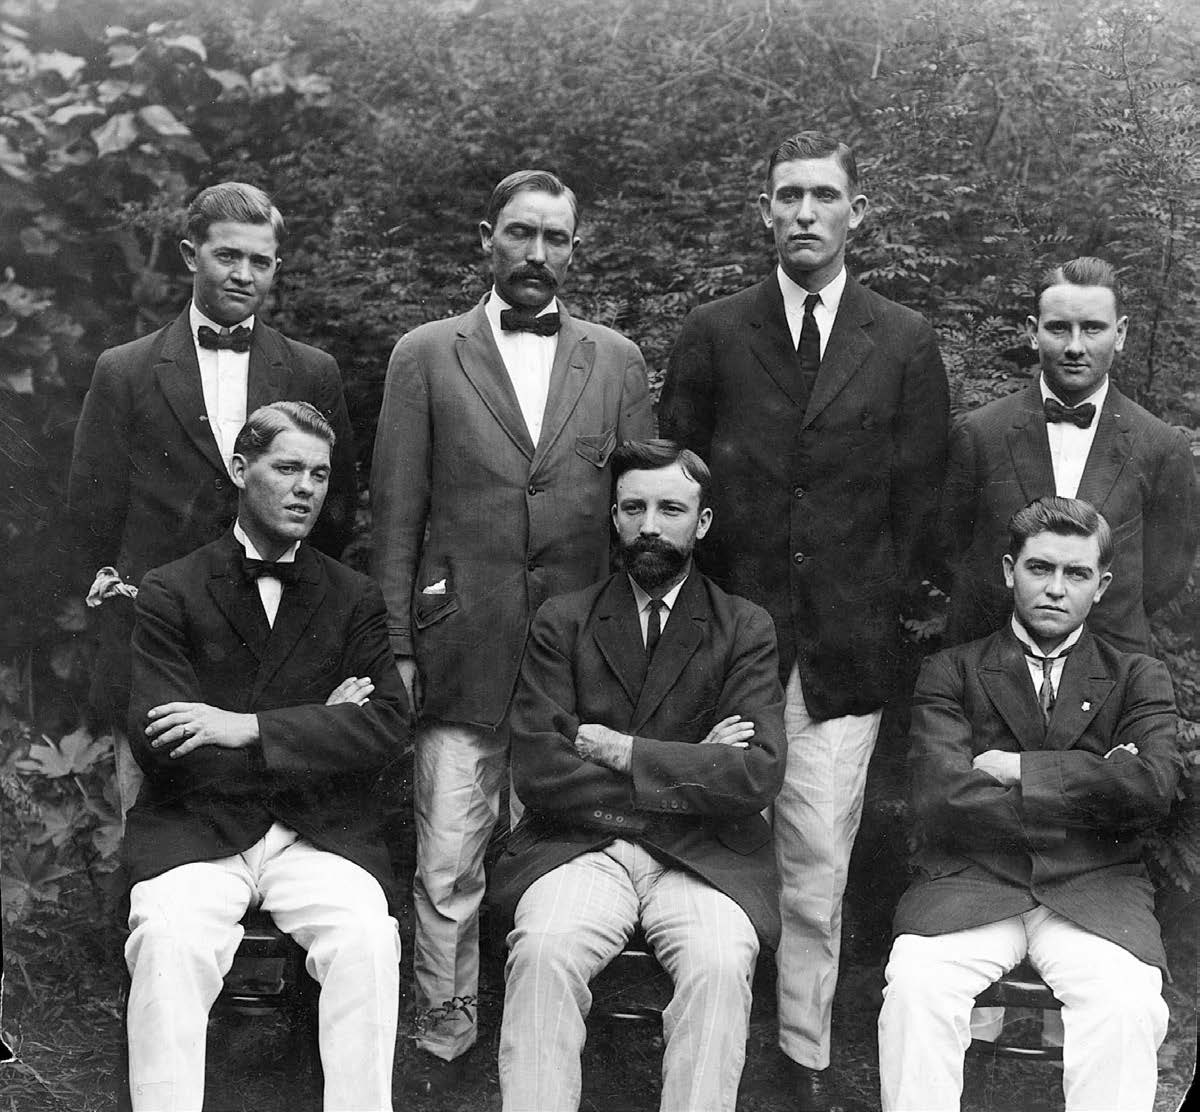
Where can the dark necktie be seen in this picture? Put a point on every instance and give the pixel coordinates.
(1046, 695)
(654, 625)
(256, 569)
(809, 347)
(237, 340)
(1078, 415)
(513, 320)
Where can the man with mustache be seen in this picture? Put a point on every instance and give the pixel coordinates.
(647, 734)
(822, 409)
(489, 488)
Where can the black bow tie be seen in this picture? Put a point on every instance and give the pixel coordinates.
(255, 569)
(1078, 415)
(513, 320)
(237, 340)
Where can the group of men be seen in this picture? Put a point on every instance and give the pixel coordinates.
(653, 715)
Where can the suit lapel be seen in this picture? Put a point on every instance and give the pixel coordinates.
(178, 374)
(1029, 446)
(574, 358)
(296, 608)
(1110, 452)
(238, 600)
(268, 372)
(618, 636)
(771, 340)
(1082, 691)
(1005, 678)
(482, 364)
(849, 345)
(681, 638)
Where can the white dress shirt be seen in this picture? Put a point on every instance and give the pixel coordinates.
(643, 601)
(824, 314)
(529, 359)
(270, 589)
(1070, 445)
(1058, 655)
(223, 377)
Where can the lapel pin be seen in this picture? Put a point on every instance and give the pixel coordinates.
(1086, 706)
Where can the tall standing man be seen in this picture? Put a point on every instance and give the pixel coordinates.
(150, 477)
(1071, 432)
(490, 488)
(821, 409)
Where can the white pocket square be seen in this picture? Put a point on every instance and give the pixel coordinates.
(438, 588)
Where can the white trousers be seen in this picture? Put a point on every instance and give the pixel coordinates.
(1114, 1016)
(571, 923)
(458, 772)
(184, 931)
(816, 817)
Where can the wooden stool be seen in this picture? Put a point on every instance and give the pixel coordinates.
(1020, 987)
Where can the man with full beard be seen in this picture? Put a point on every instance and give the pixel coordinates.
(647, 737)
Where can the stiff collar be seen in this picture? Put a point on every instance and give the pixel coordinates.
(495, 305)
(252, 553)
(197, 318)
(794, 294)
(641, 597)
(1022, 635)
(1096, 397)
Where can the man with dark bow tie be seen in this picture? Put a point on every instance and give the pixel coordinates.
(647, 736)
(490, 486)
(150, 475)
(1071, 432)
(264, 707)
(1041, 755)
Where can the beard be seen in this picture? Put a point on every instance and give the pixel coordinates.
(651, 561)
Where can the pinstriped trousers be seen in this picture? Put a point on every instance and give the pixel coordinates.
(571, 923)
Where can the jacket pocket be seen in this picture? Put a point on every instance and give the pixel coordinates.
(596, 449)
(433, 608)
(746, 835)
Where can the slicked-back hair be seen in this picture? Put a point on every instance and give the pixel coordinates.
(1068, 517)
(235, 201)
(805, 145)
(1087, 270)
(262, 426)
(541, 180)
(654, 455)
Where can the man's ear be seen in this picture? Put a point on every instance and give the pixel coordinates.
(237, 470)
(188, 250)
(764, 209)
(702, 525)
(1102, 586)
(1031, 329)
(858, 209)
(485, 236)
(1007, 561)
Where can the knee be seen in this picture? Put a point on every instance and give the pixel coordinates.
(171, 943)
(728, 966)
(910, 982)
(549, 953)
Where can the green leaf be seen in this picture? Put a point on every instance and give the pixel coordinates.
(117, 134)
(189, 43)
(12, 161)
(160, 119)
(72, 112)
(77, 752)
(67, 66)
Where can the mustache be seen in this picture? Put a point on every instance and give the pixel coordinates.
(533, 272)
(652, 561)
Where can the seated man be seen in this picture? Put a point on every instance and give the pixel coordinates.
(1040, 756)
(264, 706)
(647, 734)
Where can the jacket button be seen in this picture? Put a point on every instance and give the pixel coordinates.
(595, 814)
(798, 492)
(799, 558)
(534, 490)
(607, 817)
(531, 566)
(620, 818)
(219, 484)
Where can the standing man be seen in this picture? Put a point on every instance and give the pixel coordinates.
(490, 488)
(1041, 756)
(821, 408)
(1071, 432)
(150, 476)
(264, 707)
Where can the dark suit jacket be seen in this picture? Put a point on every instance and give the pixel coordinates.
(202, 636)
(1139, 475)
(1069, 835)
(696, 805)
(820, 511)
(462, 498)
(147, 482)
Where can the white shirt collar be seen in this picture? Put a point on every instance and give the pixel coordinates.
(642, 598)
(794, 294)
(252, 553)
(1096, 397)
(1022, 635)
(495, 305)
(198, 318)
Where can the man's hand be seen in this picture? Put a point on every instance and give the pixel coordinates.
(355, 689)
(1002, 766)
(605, 747)
(734, 730)
(411, 678)
(187, 726)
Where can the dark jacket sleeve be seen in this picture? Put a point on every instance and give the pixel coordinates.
(1170, 525)
(959, 505)
(686, 408)
(336, 525)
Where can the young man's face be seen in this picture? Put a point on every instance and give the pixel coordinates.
(1077, 335)
(658, 520)
(1055, 579)
(810, 210)
(282, 490)
(530, 247)
(233, 269)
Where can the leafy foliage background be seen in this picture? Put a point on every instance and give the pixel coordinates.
(995, 138)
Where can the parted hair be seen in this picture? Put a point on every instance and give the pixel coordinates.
(1064, 516)
(1087, 270)
(235, 201)
(541, 180)
(806, 145)
(268, 421)
(654, 455)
